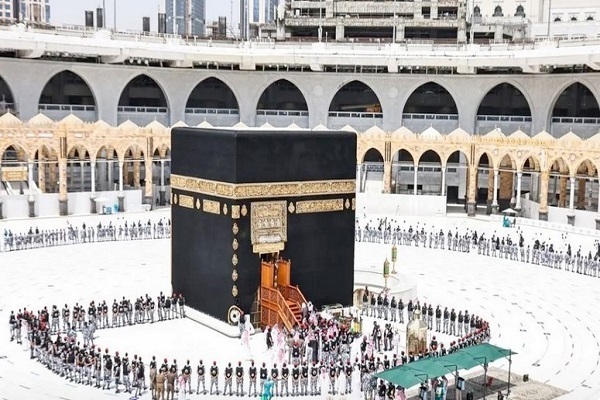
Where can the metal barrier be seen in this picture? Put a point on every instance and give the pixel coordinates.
(576, 120)
(346, 114)
(503, 118)
(65, 107)
(283, 113)
(219, 111)
(444, 117)
(154, 110)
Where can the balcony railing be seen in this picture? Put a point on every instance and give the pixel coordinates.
(346, 114)
(576, 120)
(283, 113)
(153, 110)
(213, 111)
(503, 118)
(65, 107)
(442, 117)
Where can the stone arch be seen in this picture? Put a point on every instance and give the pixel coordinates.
(270, 100)
(367, 102)
(46, 169)
(7, 99)
(78, 167)
(530, 162)
(403, 171)
(506, 161)
(561, 106)
(372, 154)
(134, 166)
(195, 99)
(430, 98)
(159, 99)
(586, 175)
(487, 105)
(558, 182)
(107, 167)
(430, 177)
(454, 157)
(13, 153)
(54, 90)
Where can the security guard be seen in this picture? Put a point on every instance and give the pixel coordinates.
(348, 371)
(201, 378)
(304, 380)
(295, 380)
(438, 318)
(228, 379)
(393, 307)
(275, 378)
(252, 378)
(314, 377)
(239, 379)
(285, 374)
(186, 371)
(401, 311)
(446, 319)
(214, 378)
(263, 377)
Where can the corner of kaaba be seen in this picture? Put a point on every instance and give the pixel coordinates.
(263, 221)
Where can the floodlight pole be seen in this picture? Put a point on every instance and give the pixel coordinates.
(455, 378)
(484, 374)
(509, 365)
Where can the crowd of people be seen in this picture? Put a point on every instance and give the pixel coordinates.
(512, 245)
(320, 356)
(86, 233)
(53, 335)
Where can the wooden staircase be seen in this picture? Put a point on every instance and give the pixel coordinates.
(280, 302)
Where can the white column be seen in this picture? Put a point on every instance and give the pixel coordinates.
(495, 201)
(443, 181)
(572, 194)
(519, 179)
(82, 175)
(120, 176)
(30, 176)
(162, 174)
(93, 179)
(109, 171)
(415, 179)
(599, 194)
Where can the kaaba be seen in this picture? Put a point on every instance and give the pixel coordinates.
(242, 197)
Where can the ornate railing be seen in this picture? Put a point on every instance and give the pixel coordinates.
(294, 294)
(274, 309)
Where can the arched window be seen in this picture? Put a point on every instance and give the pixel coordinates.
(477, 11)
(498, 12)
(520, 11)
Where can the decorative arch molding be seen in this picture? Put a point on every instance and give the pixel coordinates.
(413, 88)
(85, 80)
(274, 79)
(148, 73)
(344, 83)
(224, 80)
(488, 88)
(558, 91)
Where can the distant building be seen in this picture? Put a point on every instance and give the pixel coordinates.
(186, 17)
(37, 11)
(254, 12)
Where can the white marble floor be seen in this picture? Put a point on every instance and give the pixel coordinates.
(547, 316)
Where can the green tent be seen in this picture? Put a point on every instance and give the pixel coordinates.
(416, 372)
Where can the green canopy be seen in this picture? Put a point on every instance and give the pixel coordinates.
(411, 374)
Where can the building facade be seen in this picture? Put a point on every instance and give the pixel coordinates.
(37, 11)
(186, 17)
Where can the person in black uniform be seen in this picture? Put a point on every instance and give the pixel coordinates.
(285, 374)
(239, 379)
(126, 372)
(382, 390)
(438, 319)
(228, 380)
(275, 377)
(117, 371)
(269, 339)
(295, 380)
(332, 376)
(393, 308)
(252, 379)
(263, 377)
(214, 378)
(314, 377)
(186, 371)
(304, 379)
(348, 370)
(201, 378)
